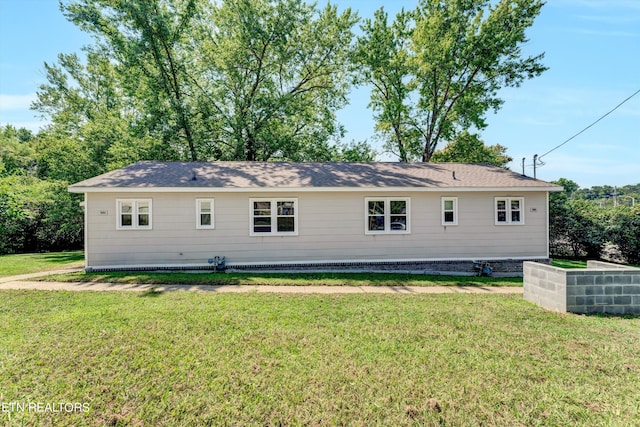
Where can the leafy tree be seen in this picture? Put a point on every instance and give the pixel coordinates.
(384, 52)
(277, 72)
(469, 148)
(21, 135)
(631, 189)
(63, 157)
(91, 116)
(37, 215)
(459, 54)
(558, 223)
(17, 154)
(353, 152)
(624, 232)
(581, 225)
(150, 41)
(231, 80)
(570, 187)
(577, 227)
(586, 229)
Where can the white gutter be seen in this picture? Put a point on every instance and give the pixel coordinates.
(73, 189)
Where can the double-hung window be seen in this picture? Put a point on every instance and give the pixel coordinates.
(449, 211)
(509, 210)
(134, 214)
(204, 213)
(274, 217)
(387, 215)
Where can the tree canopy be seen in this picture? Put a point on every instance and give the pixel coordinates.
(200, 80)
(469, 148)
(263, 80)
(435, 71)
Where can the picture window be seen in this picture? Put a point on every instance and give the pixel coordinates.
(387, 215)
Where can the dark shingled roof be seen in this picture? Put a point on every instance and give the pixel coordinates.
(287, 175)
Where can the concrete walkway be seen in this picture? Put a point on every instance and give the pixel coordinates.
(40, 274)
(21, 283)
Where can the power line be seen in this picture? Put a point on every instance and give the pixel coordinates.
(592, 124)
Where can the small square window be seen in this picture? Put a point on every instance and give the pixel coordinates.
(204, 214)
(449, 211)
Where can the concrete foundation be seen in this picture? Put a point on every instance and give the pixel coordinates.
(499, 268)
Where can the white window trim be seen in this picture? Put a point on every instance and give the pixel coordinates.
(387, 215)
(508, 201)
(455, 210)
(274, 216)
(134, 214)
(199, 225)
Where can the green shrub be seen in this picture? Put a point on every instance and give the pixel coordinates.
(577, 228)
(624, 232)
(37, 215)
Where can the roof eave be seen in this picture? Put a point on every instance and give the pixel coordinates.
(82, 189)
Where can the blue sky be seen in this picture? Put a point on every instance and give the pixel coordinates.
(591, 46)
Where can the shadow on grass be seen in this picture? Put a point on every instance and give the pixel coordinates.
(610, 315)
(288, 279)
(56, 257)
(150, 293)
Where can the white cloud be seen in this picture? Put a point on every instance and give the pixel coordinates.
(16, 102)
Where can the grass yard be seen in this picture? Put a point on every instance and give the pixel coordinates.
(280, 279)
(294, 279)
(11, 265)
(569, 263)
(185, 358)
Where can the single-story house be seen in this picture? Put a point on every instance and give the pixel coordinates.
(419, 216)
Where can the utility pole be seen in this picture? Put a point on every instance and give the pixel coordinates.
(523, 160)
(535, 164)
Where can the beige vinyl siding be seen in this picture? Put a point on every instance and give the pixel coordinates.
(331, 227)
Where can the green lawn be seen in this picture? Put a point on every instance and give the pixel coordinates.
(295, 279)
(11, 265)
(279, 279)
(185, 358)
(569, 263)
(30, 263)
